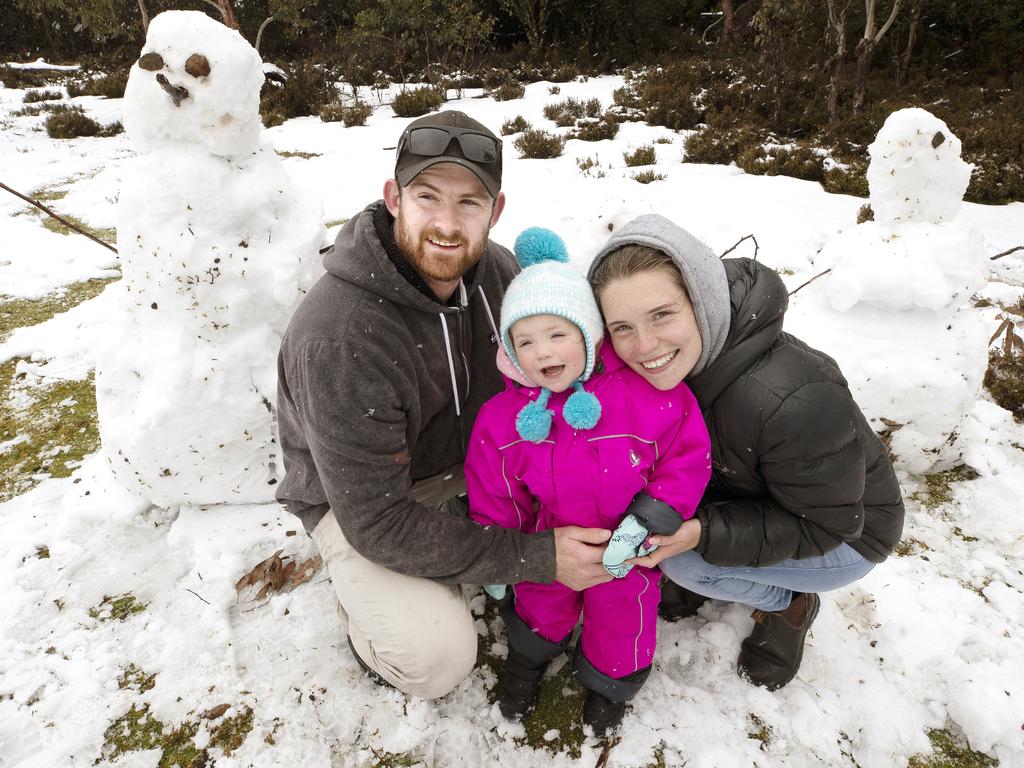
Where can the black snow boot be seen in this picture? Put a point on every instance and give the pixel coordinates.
(602, 714)
(606, 696)
(771, 656)
(528, 657)
(678, 602)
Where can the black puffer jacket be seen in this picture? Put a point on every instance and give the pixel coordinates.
(797, 470)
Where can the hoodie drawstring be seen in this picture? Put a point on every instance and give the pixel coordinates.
(451, 363)
(490, 316)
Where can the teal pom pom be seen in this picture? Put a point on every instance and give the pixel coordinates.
(582, 410)
(534, 422)
(536, 245)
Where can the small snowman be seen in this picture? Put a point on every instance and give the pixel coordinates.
(894, 308)
(217, 247)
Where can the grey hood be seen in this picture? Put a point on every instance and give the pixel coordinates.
(703, 273)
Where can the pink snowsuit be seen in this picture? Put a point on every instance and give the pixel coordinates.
(646, 440)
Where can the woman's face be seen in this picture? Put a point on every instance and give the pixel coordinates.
(652, 326)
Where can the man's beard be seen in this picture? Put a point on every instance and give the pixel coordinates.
(433, 266)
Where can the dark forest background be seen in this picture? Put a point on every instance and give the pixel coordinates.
(811, 76)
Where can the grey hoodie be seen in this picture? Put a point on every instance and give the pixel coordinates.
(367, 380)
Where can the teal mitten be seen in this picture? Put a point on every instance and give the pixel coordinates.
(627, 541)
(497, 591)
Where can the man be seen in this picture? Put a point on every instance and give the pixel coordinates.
(381, 373)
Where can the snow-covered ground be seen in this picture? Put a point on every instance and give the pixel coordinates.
(931, 639)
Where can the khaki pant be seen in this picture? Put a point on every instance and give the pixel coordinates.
(417, 634)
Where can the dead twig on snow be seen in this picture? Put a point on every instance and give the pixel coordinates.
(1006, 253)
(820, 274)
(61, 219)
(745, 237)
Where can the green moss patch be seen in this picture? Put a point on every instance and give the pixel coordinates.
(133, 678)
(137, 730)
(910, 546)
(559, 707)
(117, 608)
(21, 313)
(302, 155)
(949, 753)
(759, 731)
(108, 235)
(938, 486)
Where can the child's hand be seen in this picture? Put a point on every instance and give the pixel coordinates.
(683, 540)
(628, 541)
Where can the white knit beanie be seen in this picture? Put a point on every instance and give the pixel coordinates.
(549, 286)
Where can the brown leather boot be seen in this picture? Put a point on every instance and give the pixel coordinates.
(771, 656)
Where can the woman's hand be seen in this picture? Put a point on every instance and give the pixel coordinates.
(683, 540)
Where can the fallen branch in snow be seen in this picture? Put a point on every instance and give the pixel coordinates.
(61, 219)
(820, 274)
(745, 237)
(606, 750)
(198, 595)
(1006, 253)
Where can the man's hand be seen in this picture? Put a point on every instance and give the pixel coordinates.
(683, 540)
(578, 553)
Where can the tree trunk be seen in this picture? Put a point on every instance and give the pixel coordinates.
(837, 37)
(866, 48)
(903, 62)
(228, 11)
(145, 16)
(728, 20)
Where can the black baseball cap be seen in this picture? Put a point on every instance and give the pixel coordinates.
(449, 137)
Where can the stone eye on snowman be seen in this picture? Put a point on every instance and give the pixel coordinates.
(897, 297)
(217, 247)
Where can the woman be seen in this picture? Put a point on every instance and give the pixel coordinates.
(803, 498)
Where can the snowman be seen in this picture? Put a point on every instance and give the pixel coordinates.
(217, 247)
(894, 307)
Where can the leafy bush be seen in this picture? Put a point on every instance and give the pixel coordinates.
(667, 96)
(566, 113)
(309, 89)
(72, 122)
(417, 101)
(509, 90)
(597, 130)
(846, 181)
(496, 78)
(517, 124)
(563, 73)
(801, 163)
(646, 177)
(539, 145)
(110, 85)
(719, 145)
(15, 77)
(35, 96)
(644, 155)
(357, 114)
(1004, 379)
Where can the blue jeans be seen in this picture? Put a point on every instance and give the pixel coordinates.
(769, 588)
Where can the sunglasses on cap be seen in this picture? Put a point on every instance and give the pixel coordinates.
(433, 142)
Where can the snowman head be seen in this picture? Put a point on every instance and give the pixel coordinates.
(196, 82)
(915, 173)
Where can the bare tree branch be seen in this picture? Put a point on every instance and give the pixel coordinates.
(745, 237)
(61, 219)
(820, 274)
(223, 16)
(259, 35)
(1006, 253)
(145, 16)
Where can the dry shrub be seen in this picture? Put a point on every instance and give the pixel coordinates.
(508, 91)
(35, 96)
(847, 181)
(1004, 378)
(539, 145)
(644, 155)
(309, 89)
(646, 177)
(597, 130)
(72, 122)
(417, 101)
(357, 114)
(719, 145)
(15, 77)
(517, 124)
(567, 112)
(666, 96)
(110, 85)
(801, 163)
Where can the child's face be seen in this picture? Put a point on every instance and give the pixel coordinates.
(550, 350)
